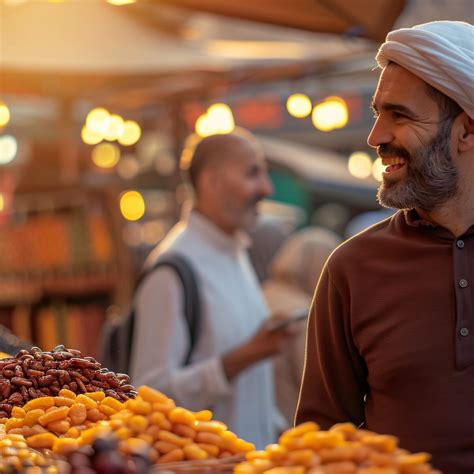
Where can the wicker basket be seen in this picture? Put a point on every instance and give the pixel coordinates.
(210, 466)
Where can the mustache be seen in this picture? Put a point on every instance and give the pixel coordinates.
(390, 151)
(256, 200)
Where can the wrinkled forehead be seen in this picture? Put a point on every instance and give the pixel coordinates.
(397, 79)
(398, 86)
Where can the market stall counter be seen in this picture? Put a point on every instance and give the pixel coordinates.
(61, 412)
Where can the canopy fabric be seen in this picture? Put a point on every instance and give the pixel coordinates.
(65, 48)
(364, 18)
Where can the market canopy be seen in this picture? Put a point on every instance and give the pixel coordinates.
(364, 18)
(67, 48)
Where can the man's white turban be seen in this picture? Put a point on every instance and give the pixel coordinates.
(441, 53)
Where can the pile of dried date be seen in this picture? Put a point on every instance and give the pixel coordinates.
(32, 374)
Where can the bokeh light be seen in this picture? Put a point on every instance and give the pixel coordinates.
(132, 205)
(131, 133)
(330, 114)
(203, 126)
(89, 137)
(121, 2)
(128, 167)
(8, 149)
(115, 128)
(217, 120)
(105, 155)
(222, 116)
(299, 105)
(2, 202)
(97, 121)
(360, 165)
(377, 169)
(4, 114)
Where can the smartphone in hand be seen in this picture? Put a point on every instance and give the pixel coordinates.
(295, 316)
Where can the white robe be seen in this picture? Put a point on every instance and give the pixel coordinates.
(232, 309)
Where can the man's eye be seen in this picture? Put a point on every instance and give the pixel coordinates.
(398, 115)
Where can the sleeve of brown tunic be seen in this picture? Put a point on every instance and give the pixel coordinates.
(334, 377)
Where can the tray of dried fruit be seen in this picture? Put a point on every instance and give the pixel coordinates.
(343, 449)
(67, 404)
(61, 405)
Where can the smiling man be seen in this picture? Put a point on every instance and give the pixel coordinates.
(229, 370)
(390, 341)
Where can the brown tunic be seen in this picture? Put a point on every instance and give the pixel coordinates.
(392, 322)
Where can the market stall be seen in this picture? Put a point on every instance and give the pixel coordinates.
(67, 255)
(62, 412)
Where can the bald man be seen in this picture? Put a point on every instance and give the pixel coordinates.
(230, 371)
(390, 340)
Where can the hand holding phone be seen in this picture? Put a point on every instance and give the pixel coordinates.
(298, 315)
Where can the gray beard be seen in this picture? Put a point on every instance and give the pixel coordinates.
(431, 178)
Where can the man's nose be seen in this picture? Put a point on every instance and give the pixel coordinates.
(380, 134)
(267, 186)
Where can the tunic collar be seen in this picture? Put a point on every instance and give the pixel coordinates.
(413, 219)
(230, 243)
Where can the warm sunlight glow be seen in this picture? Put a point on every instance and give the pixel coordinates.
(299, 105)
(377, 169)
(97, 121)
(131, 133)
(105, 155)
(330, 114)
(8, 149)
(115, 128)
(217, 119)
(4, 114)
(132, 205)
(89, 137)
(360, 165)
(121, 2)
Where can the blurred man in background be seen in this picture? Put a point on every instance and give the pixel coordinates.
(391, 333)
(229, 370)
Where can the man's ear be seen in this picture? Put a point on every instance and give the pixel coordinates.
(466, 133)
(208, 180)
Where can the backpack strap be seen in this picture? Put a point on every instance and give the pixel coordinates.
(192, 308)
